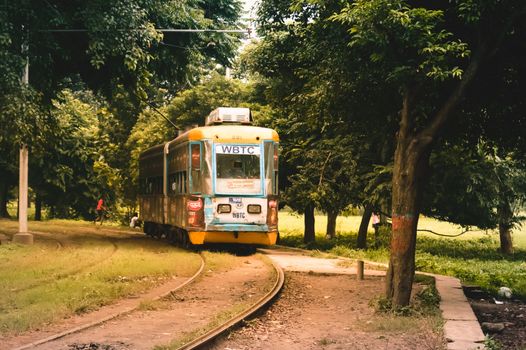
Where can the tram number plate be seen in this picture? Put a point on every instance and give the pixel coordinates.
(238, 215)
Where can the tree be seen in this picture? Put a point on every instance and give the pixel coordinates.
(303, 70)
(412, 65)
(433, 54)
(73, 172)
(114, 50)
(477, 186)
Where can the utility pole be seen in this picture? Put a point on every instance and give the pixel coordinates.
(23, 236)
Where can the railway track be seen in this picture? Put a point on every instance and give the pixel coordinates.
(261, 303)
(199, 342)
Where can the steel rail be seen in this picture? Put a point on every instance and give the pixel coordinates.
(257, 306)
(112, 316)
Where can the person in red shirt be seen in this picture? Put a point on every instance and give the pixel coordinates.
(101, 208)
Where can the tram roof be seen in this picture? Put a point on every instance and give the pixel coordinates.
(152, 151)
(222, 133)
(229, 133)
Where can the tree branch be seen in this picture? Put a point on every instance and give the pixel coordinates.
(405, 113)
(444, 113)
(323, 168)
(485, 50)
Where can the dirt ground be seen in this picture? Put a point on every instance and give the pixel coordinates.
(317, 311)
(314, 311)
(510, 316)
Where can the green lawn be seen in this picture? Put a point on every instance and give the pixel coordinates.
(291, 223)
(472, 257)
(76, 266)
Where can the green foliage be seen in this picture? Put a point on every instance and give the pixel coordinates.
(74, 172)
(461, 189)
(118, 54)
(409, 43)
(429, 297)
(476, 262)
(470, 186)
(190, 107)
(22, 118)
(304, 74)
(491, 344)
(327, 177)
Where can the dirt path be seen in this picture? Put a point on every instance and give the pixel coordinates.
(319, 311)
(157, 323)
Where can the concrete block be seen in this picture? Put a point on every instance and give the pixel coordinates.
(23, 238)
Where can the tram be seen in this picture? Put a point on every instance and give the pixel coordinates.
(213, 184)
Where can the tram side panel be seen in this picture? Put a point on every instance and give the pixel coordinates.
(151, 199)
(177, 182)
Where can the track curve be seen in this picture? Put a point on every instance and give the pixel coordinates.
(257, 306)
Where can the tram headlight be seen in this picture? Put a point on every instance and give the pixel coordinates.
(224, 208)
(254, 209)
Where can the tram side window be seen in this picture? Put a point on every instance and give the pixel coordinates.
(151, 185)
(271, 167)
(195, 168)
(177, 182)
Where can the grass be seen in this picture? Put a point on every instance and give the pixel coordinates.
(44, 282)
(292, 224)
(472, 257)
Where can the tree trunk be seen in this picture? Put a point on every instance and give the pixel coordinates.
(331, 224)
(309, 234)
(505, 225)
(410, 166)
(361, 242)
(404, 223)
(38, 207)
(3, 201)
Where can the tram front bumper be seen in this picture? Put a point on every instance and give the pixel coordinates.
(240, 237)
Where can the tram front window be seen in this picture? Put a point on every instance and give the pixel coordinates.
(238, 169)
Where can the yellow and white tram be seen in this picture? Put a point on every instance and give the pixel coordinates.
(213, 184)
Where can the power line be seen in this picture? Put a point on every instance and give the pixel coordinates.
(158, 111)
(163, 30)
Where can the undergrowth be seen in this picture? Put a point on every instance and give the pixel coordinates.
(424, 303)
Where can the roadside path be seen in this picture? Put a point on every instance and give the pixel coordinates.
(461, 328)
